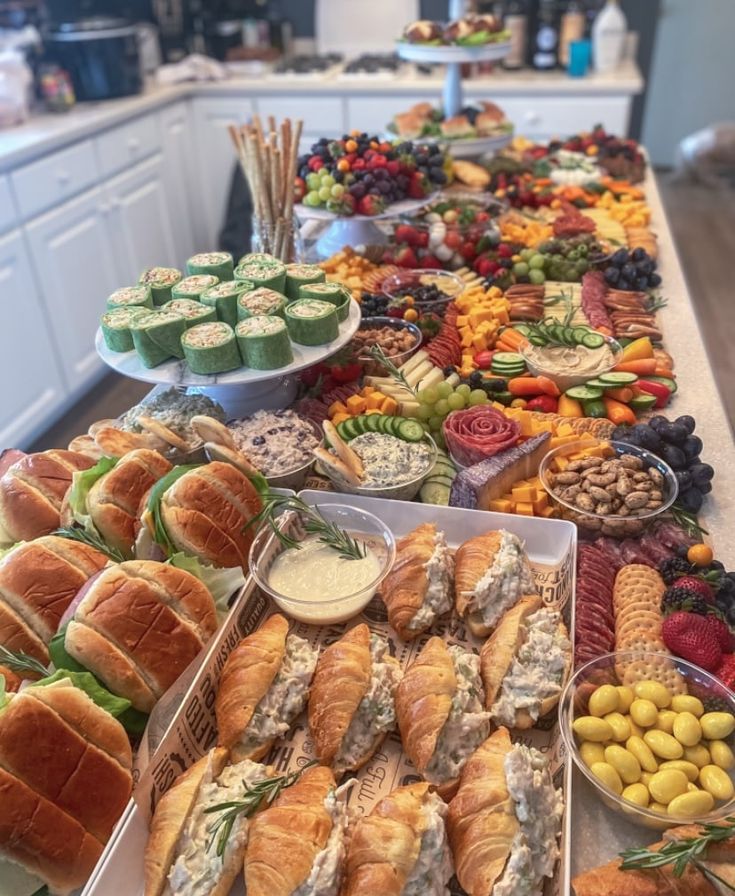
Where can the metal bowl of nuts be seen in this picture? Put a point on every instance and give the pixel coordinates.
(398, 338)
(609, 488)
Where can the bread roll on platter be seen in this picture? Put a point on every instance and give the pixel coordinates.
(263, 688)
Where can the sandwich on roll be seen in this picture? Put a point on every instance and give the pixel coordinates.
(351, 705)
(524, 664)
(187, 853)
(38, 582)
(65, 780)
(138, 626)
(263, 688)
(32, 490)
(400, 848)
(505, 820)
(297, 846)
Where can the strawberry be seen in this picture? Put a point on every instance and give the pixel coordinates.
(723, 632)
(371, 204)
(694, 638)
(505, 251)
(404, 233)
(419, 186)
(726, 670)
(393, 167)
(431, 261)
(698, 586)
(405, 257)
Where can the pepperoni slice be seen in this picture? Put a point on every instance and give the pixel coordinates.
(475, 434)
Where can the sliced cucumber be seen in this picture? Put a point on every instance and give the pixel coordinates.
(664, 380)
(440, 480)
(522, 328)
(410, 430)
(642, 402)
(598, 384)
(580, 333)
(618, 378)
(503, 397)
(594, 408)
(372, 422)
(593, 340)
(507, 358)
(584, 393)
(385, 422)
(536, 339)
(342, 429)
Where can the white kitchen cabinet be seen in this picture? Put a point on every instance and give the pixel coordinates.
(140, 221)
(7, 209)
(177, 146)
(33, 386)
(541, 118)
(72, 253)
(216, 161)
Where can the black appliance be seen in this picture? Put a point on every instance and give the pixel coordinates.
(100, 55)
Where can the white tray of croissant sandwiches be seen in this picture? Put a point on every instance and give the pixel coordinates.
(350, 759)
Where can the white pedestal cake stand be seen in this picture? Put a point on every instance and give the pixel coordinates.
(243, 391)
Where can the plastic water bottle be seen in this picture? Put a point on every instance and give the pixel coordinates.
(608, 37)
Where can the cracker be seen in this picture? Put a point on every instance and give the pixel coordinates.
(653, 669)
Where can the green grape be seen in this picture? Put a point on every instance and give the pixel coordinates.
(464, 389)
(444, 390)
(337, 191)
(312, 198)
(441, 408)
(527, 254)
(456, 401)
(424, 411)
(537, 261)
(325, 193)
(477, 396)
(536, 276)
(435, 424)
(428, 396)
(328, 180)
(441, 442)
(313, 181)
(520, 268)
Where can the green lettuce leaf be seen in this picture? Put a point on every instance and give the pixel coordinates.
(259, 482)
(86, 682)
(221, 583)
(59, 657)
(4, 699)
(81, 483)
(160, 535)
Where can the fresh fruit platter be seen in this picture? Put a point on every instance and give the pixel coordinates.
(502, 500)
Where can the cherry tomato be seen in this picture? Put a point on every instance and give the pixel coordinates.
(700, 554)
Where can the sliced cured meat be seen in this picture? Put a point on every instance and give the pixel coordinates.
(657, 551)
(475, 434)
(572, 222)
(671, 535)
(594, 290)
(634, 553)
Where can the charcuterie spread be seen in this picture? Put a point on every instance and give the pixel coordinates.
(490, 602)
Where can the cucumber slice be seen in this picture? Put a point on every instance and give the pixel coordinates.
(385, 424)
(593, 340)
(507, 358)
(349, 429)
(567, 336)
(642, 402)
(362, 423)
(584, 393)
(503, 397)
(410, 430)
(598, 384)
(594, 408)
(618, 378)
(372, 422)
(580, 333)
(342, 429)
(664, 380)
(522, 328)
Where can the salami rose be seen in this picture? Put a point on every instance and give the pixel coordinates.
(475, 434)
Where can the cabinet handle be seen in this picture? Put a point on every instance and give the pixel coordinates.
(63, 178)
(532, 117)
(105, 208)
(133, 144)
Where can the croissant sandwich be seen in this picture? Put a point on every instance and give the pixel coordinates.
(524, 663)
(190, 851)
(440, 712)
(401, 848)
(351, 706)
(505, 820)
(491, 575)
(418, 589)
(263, 688)
(297, 846)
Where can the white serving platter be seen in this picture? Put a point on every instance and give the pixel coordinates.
(475, 146)
(440, 54)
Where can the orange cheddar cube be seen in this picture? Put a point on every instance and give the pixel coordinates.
(501, 505)
(338, 418)
(524, 508)
(389, 405)
(523, 494)
(336, 407)
(356, 404)
(374, 401)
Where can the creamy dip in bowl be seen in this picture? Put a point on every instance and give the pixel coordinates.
(312, 582)
(571, 365)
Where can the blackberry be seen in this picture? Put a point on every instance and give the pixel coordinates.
(683, 599)
(674, 568)
(716, 704)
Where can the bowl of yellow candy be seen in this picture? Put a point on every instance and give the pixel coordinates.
(653, 735)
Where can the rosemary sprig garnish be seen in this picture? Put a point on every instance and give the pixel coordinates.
(688, 521)
(680, 853)
(93, 541)
(255, 797)
(377, 354)
(21, 662)
(654, 303)
(314, 523)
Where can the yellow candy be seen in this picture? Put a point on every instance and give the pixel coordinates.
(646, 778)
(636, 793)
(666, 785)
(685, 703)
(591, 752)
(692, 788)
(592, 728)
(689, 768)
(604, 772)
(642, 752)
(665, 721)
(635, 730)
(717, 725)
(699, 755)
(658, 807)
(687, 729)
(644, 713)
(625, 697)
(721, 754)
(715, 781)
(619, 725)
(653, 691)
(604, 700)
(663, 744)
(691, 805)
(624, 763)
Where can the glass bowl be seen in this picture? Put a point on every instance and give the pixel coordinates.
(573, 703)
(360, 524)
(450, 284)
(616, 525)
(566, 380)
(374, 368)
(405, 491)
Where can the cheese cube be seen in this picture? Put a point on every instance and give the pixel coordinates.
(356, 404)
(339, 417)
(375, 400)
(336, 407)
(523, 493)
(524, 509)
(389, 405)
(541, 503)
(501, 505)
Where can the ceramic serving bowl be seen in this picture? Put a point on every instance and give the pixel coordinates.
(567, 380)
(374, 368)
(450, 284)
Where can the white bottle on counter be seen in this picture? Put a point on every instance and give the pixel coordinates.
(608, 37)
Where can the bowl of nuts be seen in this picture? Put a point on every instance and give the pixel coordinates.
(609, 487)
(399, 339)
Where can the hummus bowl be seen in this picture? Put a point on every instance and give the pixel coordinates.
(712, 694)
(572, 365)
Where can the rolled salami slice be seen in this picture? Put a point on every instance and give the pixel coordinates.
(475, 434)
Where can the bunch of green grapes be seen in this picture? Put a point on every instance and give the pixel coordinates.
(435, 402)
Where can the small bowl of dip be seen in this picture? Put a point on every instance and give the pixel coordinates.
(312, 582)
(573, 365)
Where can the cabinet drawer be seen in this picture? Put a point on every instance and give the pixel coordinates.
(542, 118)
(48, 181)
(128, 144)
(7, 208)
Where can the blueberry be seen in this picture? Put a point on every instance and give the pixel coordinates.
(620, 433)
(687, 422)
(648, 438)
(657, 421)
(705, 487)
(641, 284)
(655, 280)
(620, 257)
(639, 254)
(691, 446)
